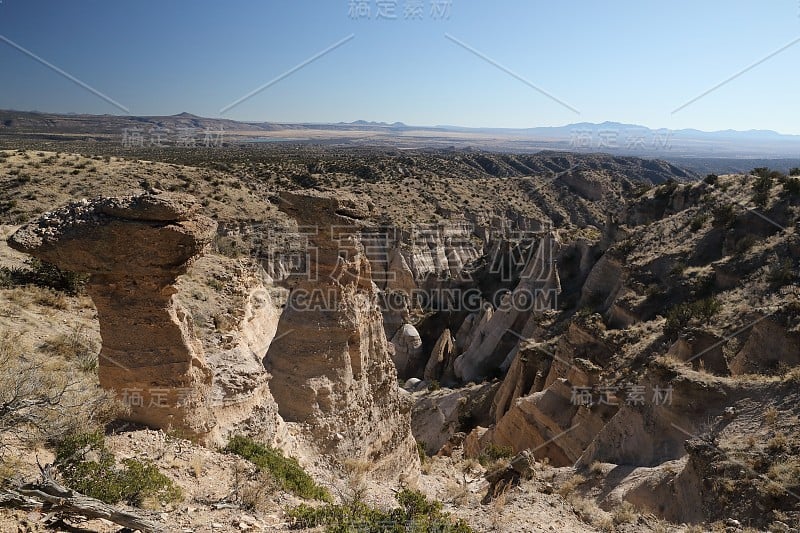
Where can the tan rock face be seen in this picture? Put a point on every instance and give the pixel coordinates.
(439, 415)
(440, 363)
(330, 363)
(236, 323)
(134, 248)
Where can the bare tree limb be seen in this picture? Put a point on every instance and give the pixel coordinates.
(48, 495)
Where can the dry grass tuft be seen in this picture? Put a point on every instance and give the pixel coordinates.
(77, 347)
(596, 469)
(771, 416)
(777, 443)
(45, 399)
(624, 514)
(569, 486)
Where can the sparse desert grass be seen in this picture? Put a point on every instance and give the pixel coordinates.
(421, 452)
(777, 443)
(44, 297)
(471, 465)
(694, 528)
(785, 472)
(793, 375)
(456, 493)
(45, 398)
(252, 488)
(569, 486)
(624, 513)
(356, 479)
(497, 508)
(197, 463)
(771, 416)
(596, 468)
(76, 346)
(590, 513)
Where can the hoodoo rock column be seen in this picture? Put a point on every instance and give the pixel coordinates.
(330, 364)
(134, 248)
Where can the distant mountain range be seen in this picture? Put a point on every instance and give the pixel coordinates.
(610, 137)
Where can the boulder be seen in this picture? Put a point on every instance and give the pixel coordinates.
(407, 350)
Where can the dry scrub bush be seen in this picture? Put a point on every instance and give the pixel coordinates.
(785, 472)
(596, 469)
(590, 513)
(253, 488)
(356, 487)
(571, 484)
(77, 347)
(771, 416)
(777, 443)
(624, 513)
(42, 400)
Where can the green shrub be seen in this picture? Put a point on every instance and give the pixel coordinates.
(794, 171)
(7, 205)
(765, 172)
(415, 514)
(678, 269)
(706, 309)
(761, 190)
(494, 452)
(421, 452)
(43, 274)
(744, 244)
(698, 221)
(791, 187)
(666, 189)
(724, 216)
(286, 471)
(782, 273)
(678, 318)
(101, 478)
(624, 248)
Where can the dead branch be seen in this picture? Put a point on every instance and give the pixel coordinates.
(50, 496)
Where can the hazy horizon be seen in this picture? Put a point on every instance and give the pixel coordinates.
(711, 67)
(402, 122)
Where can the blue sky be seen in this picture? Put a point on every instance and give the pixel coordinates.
(628, 61)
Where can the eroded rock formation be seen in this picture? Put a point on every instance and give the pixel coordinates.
(495, 338)
(330, 363)
(134, 248)
(440, 363)
(407, 350)
(236, 310)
